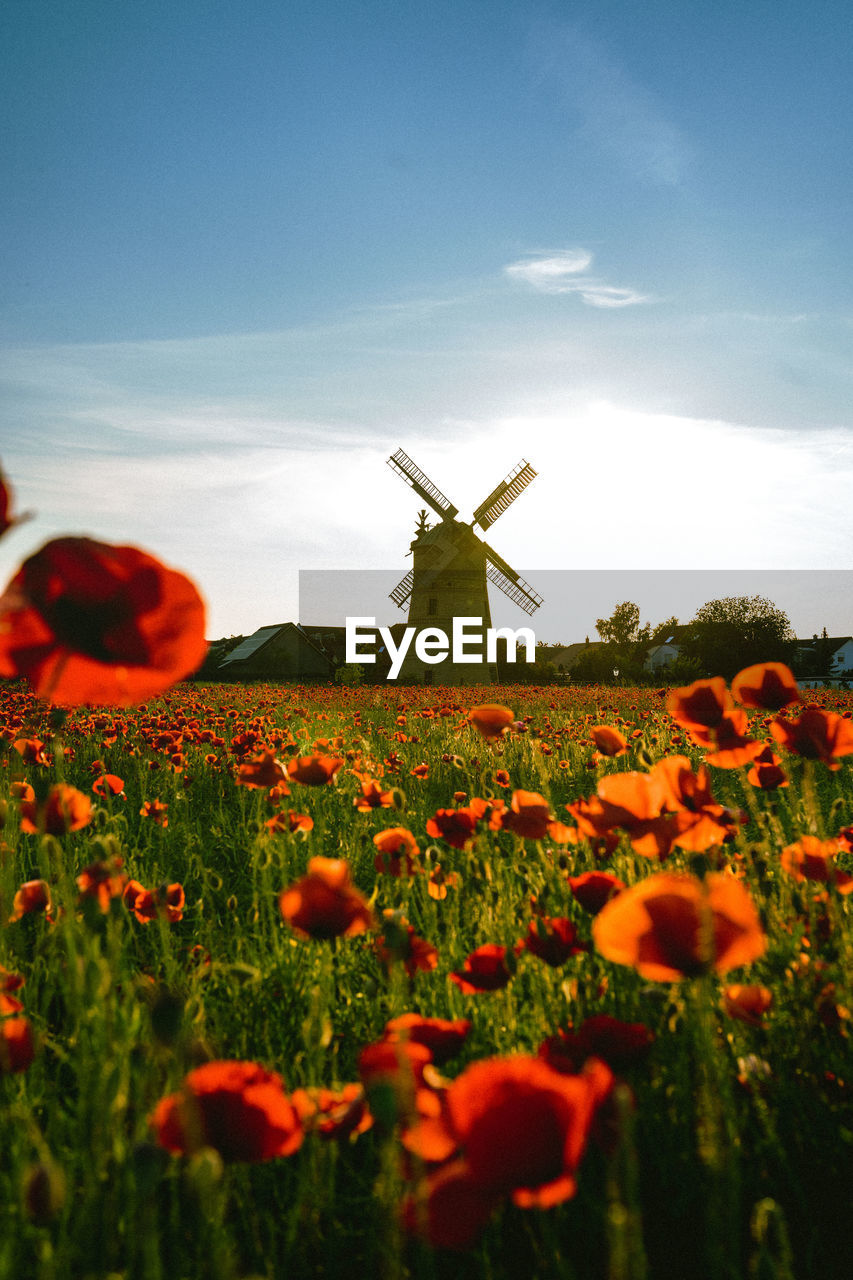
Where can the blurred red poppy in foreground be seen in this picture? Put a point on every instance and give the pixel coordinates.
(87, 622)
(17, 1048)
(31, 898)
(770, 686)
(237, 1108)
(817, 735)
(619, 1044)
(522, 1130)
(314, 771)
(63, 809)
(325, 903)
(674, 926)
(484, 970)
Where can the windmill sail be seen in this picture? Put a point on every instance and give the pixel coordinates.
(504, 495)
(402, 464)
(403, 590)
(511, 583)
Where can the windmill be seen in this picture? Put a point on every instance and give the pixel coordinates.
(452, 567)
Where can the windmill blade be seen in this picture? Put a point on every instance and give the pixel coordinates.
(505, 494)
(402, 464)
(511, 583)
(403, 590)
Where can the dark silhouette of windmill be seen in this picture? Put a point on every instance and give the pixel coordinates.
(452, 567)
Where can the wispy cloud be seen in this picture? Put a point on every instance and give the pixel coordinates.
(613, 110)
(562, 273)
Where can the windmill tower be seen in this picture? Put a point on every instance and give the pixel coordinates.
(452, 567)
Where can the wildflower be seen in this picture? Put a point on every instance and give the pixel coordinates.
(701, 705)
(262, 771)
(456, 826)
(769, 686)
(314, 771)
(156, 811)
(528, 815)
(373, 797)
(593, 889)
(443, 1038)
(747, 1004)
(324, 903)
(333, 1113)
(491, 720)
(610, 742)
(400, 943)
(64, 809)
(619, 1044)
(397, 851)
(87, 622)
(17, 1047)
(483, 970)
(108, 785)
(817, 735)
(147, 904)
(103, 881)
(31, 898)
(767, 772)
(31, 750)
(238, 1108)
(812, 859)
(290, 821)
(552, 939)
(672, 926)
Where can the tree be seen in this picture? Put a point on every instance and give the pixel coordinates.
(736, 632)
(625, 645)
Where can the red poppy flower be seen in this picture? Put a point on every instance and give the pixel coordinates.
(817, 735)
(64, 809)
(609, 741)
(702, 704)
(102, 881)
(167, 901)
(528, 815)
(397, 851)
(456, 826)
(443, 1038)
(325, 903)
(290, 821)
(237, 1108)
(17, 1047)
(314, 771)
(156, 811)
(770, 686)
(767, 772)
(593, 889)
(491, 720)
(813, 859)
(32, 897)
(552, 939)
(333, 1113)
(502, 777)
(673, 926)
(619, 1044)
(263, 771)
(747, 1004)
(484, 970)
(87, 622)
(373, 797)
(31, 750)
(108, 785)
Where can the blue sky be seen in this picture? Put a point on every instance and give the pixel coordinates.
(252, 249)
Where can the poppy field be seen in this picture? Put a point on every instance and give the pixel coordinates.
(483, 982)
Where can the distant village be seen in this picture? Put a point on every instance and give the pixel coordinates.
(293, 651)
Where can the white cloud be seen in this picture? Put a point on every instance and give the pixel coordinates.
(559, 273)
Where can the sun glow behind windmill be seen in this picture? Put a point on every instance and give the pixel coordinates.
(452, 565)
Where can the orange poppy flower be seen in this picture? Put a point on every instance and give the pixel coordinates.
(770, 686)
(262, 771)
(609, 741)
(325, 903)
(108, 785)
(528, 815)
(21, 791)
(400, 944)
(31, 750)
(290, 821)
(64, 809)
(456, 826)
(397, 851)
(17, 1046)
(593, 889)
(553, 939)
(767, 772)
(167, 901)
(443, 1038)
(87, 622)
(238, 1108)
(484, 970)
(440, 881)
(102, 881)
(491, 720)
(502, 777)
(701, 704)
(747, 1004)
(373, 797)
(817, 735)
(811, 859)
(33, 896)
(333, 1113)
(314, 771)
(156, 811)
(451, 1208)
(674, 926)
